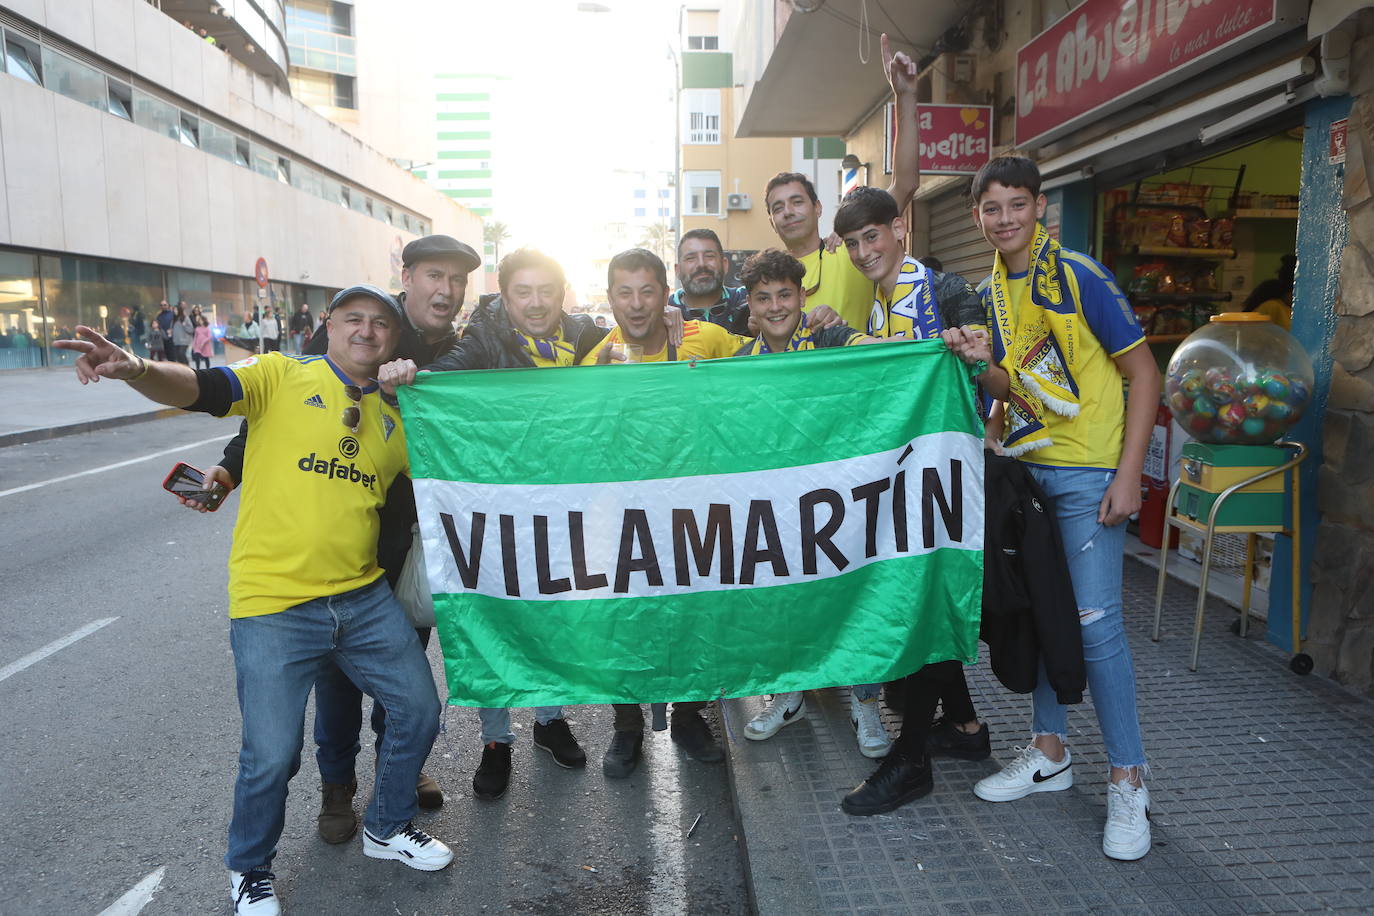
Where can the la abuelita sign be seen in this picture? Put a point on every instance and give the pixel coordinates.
(954, 139)
(1107, 54)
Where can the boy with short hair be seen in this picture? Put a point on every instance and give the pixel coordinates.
(1063, 338)
(909, 299)
(773, 285)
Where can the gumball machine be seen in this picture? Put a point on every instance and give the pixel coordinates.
(1239, 380)
(1237, 385)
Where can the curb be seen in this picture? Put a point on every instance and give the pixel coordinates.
(40, 434)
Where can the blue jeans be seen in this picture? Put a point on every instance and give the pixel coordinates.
(496, 722)
(1094, 552)
(339, 721)
(277, 658)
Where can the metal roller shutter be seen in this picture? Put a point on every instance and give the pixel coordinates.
(954, 238)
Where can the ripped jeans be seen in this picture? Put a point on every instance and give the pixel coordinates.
(1095, 553)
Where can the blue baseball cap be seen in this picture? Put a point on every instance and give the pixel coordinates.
(371, 292)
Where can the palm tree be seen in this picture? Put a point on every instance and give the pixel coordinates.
(494, 233)
(658, 238)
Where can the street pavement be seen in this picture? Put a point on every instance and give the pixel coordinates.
(121, 746)
(120, 757)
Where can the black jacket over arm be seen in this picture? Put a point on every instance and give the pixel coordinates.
(1029, 609)
(492, 342)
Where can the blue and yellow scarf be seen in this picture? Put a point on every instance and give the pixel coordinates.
(1036, 342)
(549, 351)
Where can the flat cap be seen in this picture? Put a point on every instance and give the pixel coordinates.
(440, 248)
(369, 291)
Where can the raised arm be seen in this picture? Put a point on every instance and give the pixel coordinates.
(901, 75)
(168, 383)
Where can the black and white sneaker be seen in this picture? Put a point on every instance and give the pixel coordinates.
(782, 709)
(253, 894)
(410, 846)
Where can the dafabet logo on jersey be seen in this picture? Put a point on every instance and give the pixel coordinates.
(336, 470)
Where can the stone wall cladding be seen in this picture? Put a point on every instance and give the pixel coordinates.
(1341, 627)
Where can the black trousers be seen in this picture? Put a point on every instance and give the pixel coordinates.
(939, 684)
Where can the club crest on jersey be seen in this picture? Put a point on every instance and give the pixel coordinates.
(388, 427)
(314, 401)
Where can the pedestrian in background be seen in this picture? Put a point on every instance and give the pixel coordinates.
(302, 325)
(203, 343)
(271, 330)
(156, 343)
(183, 333)
(138, 330)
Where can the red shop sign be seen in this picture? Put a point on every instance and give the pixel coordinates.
(954, 139)
(1106, 54)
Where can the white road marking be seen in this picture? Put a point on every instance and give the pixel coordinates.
(138, 896)
(109, 467)
(37, 656)
(668, 878)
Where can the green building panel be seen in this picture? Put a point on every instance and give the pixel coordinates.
(466, 173)
(464, 116)
(707, 70)
(468, 192)
(463, 97)
(464, 135)
(464, 154)
(830, 147)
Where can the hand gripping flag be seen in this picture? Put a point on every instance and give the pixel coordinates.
(676, 531)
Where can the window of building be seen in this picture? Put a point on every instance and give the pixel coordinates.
(188, 130)
(283, 170)
(344, 92)
(640, 211)
(119, 99)
(22, 58)
(157, 115)
(703, 193)
(217, 141)
(640, 193)
(662, 211)
(74, 79)
(701, 116)
(703, 43)
(664, 193)
(242, 153)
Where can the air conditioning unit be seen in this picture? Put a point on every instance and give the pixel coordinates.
(738, 202)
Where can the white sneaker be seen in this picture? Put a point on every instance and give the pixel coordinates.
(782, 709)
(410, 846)
(1127, 835)
(1030, 772)
(253, 894)
(872, 735)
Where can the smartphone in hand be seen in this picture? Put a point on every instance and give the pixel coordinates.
(189, 482)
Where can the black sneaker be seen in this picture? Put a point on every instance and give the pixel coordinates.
(622, 756)
(894, 695)
(897, 781)
(690, 732)
(947, 740)
(558, 740)
(493, 774)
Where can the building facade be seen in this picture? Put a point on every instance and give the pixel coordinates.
(142, 162)
(724, 175)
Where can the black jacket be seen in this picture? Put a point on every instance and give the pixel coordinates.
(491, 341)
(397, 514)
(959, 302)
(1029, 609)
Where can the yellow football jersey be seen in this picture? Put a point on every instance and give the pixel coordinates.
(308, 524)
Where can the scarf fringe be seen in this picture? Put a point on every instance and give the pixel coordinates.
(1016, 451)
(1058, 405)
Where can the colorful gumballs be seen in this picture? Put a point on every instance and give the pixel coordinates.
(1199, 425)
(1250, 384)
(1191, 383)
(1256, 405)
(1279, 411)
(1223, 393)
(1253, 427)
(1231, 416)
(1202, 407)
(1277, 386)
(1180, 403)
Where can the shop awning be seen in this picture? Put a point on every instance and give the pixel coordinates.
(814, 84)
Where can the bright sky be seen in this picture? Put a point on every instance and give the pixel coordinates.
(589, 92)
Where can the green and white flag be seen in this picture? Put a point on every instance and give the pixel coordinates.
(676, 531)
